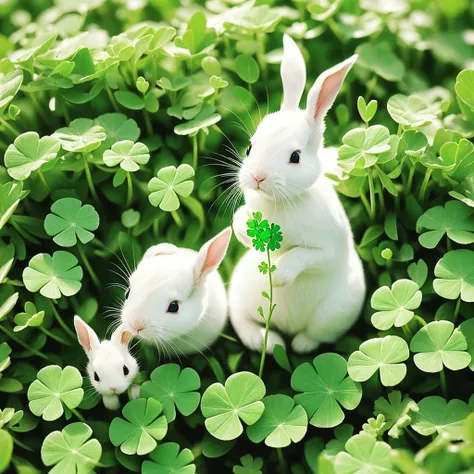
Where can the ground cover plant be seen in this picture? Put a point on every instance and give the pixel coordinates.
(122, 124)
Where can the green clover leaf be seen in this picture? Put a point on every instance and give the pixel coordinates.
(375, 427)
(364, 454)
(325, 387)
(10, 83)
(10, 197)
(281, 423)
(6, 449)
(460, 156)
(366, 111)
(174, 388)
(30, 318)
(82, 136)
(437, 416)
(398, 413)
(249, 465)
(361, 147)
(465, 192)
(71, 220)
(380, 59)
(128, 154)
(167, 459)
(439, 344)
(467, 329)
(201, 121)
(395, 305)
(455, 219)
(381, 354)
(247, 68)
(170, 183)
(410, 110)
(142, 427)
(54, 388)
(53, 276)
(455, 275)
(29, 153)
(224, 406)
(464, 87)
(71, 450)
(117, 127)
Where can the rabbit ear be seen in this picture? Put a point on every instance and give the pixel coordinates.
(325, 89)
(212, 253)
(121, 336)
(293, 74)
(86, 335)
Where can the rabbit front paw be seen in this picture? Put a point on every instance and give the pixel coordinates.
(283, 276)
(273, 339)
(302, 344)
(111, 402)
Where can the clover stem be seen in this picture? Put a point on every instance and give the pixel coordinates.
(420, 320)
(449, 247)
(89, 178)
(413, 436)
(281, 460)
(78, 415)
(381, 197)
(43, 180)
(371, 197)
(442, 380)
(61, 321)
(176, 218)
(365, 202)
(13, 337)
(424, 184)
(229, 338)
(148, 125)
(88, 266)
(195, 152)
(9, 127)
(370, 87)
(129, 190)
(410, 181)
(48, 333)
(406, 331)
(271, 307)
(261, 53)
(456, 309)
(39, 108)
(21, 445)
(111, 97)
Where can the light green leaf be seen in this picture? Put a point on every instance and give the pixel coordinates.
(128, 154)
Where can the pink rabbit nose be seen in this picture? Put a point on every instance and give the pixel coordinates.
(259, 179)
(113, 389)
(139, 328)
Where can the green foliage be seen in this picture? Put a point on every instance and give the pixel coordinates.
(135, 115)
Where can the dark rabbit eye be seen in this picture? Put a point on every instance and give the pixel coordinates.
(295, 157)
(96, 377)
(247, 151)
(173, 307)
(125, 370)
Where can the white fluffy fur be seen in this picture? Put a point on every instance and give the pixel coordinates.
(319, 277)
(107, 359)
(168, 273)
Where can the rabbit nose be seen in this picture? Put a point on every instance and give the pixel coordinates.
(139, 328)
(259, 179)
(113, 389)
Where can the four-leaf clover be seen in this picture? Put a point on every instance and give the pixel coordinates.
(53, 276)
(71, 451)
(382, 354)
(71, 220)
(170, 183)
(439, 344)
(54, 388)
(173, 388)
(128, 154)
(281, 423)
(395, 305)
(325, 387)
(29, 153)
(224, 406)
(142, 427)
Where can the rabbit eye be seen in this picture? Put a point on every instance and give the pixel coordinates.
(125, 370)
(173, 307)
(247, 151)
(96, 377)
(295, 157)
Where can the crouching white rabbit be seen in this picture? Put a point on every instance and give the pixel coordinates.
(176, 297)
(319, 276)
(111, 367)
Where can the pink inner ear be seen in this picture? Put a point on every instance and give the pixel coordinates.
(216, 252)
(83, 335)
(329, 90)
(125, 337)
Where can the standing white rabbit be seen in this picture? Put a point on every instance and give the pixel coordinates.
(111, 367)
(319, 276)
(177, 298)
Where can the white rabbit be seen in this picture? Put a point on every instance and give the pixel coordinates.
(177, 299)
(111, 367)
(319, 276)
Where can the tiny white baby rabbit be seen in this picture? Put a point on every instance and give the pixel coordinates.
(319, 276)
(111, 367)
(176, 298)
